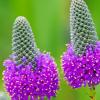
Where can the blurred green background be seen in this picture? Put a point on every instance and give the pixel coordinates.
(50, 23)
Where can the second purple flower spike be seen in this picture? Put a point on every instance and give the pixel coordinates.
(29, 74)
(81, 61)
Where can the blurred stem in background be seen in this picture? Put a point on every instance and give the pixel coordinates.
(92, 93)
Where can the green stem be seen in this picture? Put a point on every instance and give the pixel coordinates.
(92, 93)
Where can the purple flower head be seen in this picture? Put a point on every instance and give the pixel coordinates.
(82, 70)
(29, 75)
(28, 82)
(81, 61)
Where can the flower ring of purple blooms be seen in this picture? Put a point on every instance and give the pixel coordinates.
(27, 82)
(82, 70)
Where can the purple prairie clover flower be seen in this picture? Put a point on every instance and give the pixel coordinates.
(81, 61)
(82, 70)
(42, 81)
(29, 74)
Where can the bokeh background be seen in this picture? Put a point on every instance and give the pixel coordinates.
(50, 23)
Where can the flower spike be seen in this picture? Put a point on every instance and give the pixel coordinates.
(29, 74)
(81, 61)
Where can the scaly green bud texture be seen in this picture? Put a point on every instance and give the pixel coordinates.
(23, 44)
(83, 32)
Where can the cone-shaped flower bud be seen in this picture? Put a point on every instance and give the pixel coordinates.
(29, 74)
(23, 44)
(82, 28)
(81, 61)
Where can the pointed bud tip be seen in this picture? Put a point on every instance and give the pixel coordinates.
(20, 18)
(21, 21)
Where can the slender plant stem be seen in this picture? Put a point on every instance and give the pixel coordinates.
(92, 93)
(92, 98)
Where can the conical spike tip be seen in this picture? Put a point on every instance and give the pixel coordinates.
(83, 32)
(23, 44)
